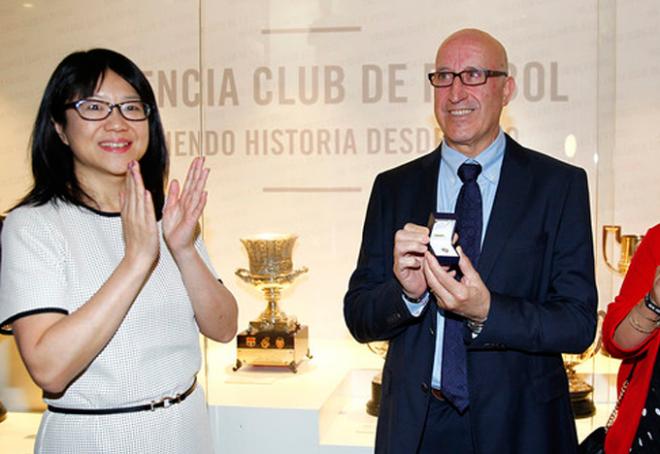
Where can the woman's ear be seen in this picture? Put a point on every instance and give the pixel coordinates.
(60, 131)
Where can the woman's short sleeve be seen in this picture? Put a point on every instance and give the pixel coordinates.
(32, 271)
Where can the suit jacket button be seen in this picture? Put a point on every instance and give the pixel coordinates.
(432, 331)
(425, 388)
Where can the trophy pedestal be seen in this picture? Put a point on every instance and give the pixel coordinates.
(581, 401)
(581, 393)
(272, 347)
(373, 406)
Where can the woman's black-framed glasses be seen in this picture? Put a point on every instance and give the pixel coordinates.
(96, 110)
(469, 77)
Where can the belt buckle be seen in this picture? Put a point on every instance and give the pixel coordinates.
(172, 400)
(165, 402)
(437, 394)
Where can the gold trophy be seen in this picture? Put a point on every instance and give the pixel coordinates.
(628, 246)
(373, 406)
(581, 391)
(273, 339)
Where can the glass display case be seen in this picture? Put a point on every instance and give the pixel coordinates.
(297, 108)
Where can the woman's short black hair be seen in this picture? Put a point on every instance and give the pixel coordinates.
(76, 77)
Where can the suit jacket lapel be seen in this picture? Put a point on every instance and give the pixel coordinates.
(427, 198)
(426, 201)
(514, 185)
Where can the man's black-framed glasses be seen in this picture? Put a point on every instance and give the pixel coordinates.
(469, 77)
(97, 110)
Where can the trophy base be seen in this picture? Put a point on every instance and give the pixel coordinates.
(286, 326)
(273, 348)
(373, 406)
(582, 403)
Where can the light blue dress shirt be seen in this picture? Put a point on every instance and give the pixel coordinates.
(449, 185)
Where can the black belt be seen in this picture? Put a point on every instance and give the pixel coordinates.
(162, 403)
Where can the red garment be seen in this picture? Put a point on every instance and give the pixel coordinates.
(637, 283)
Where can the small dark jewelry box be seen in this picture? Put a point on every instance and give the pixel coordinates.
(442, 228)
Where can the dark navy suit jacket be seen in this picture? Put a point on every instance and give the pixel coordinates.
(537, 261)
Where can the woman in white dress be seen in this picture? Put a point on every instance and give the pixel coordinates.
(105, 284)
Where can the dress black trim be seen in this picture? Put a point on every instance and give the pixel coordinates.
(110, 214)
(106, 214)
(4, 326)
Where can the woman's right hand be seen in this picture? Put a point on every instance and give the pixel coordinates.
(141, 240)
(57, 348)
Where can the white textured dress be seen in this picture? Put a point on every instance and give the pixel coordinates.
(54, 258)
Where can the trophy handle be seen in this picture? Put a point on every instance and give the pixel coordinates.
(245, 275)
(298, 272)
(607, 229)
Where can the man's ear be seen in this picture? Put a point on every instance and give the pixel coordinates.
(509, 89)
(60, 131)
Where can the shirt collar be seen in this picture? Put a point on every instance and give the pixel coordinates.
(490, 159)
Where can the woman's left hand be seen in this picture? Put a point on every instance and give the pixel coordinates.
(183, 209)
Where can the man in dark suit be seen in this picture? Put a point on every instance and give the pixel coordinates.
(474, 362)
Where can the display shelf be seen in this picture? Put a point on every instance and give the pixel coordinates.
(319, 410)
(323, 406)
(280, 411)
(348, 426)
(18, 431)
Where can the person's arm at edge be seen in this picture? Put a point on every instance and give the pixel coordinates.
(638, 281)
